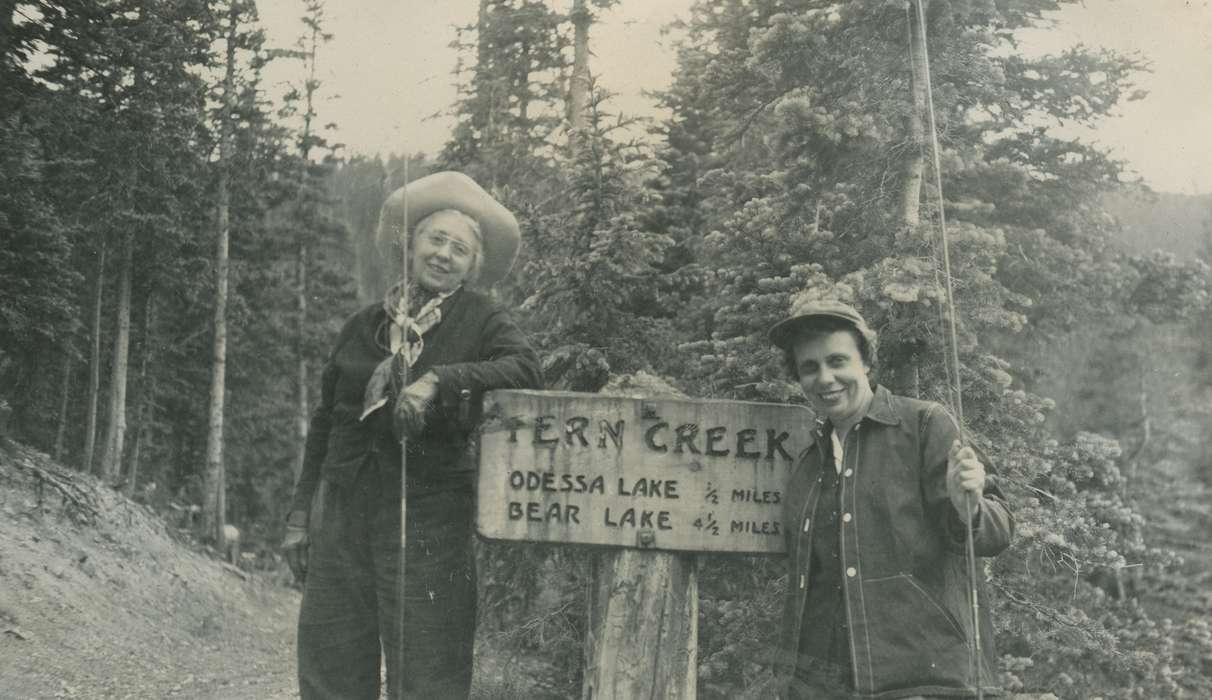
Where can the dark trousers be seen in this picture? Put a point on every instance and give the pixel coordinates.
(349, 621)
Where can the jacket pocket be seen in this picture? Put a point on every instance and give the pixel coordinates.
(914, 639)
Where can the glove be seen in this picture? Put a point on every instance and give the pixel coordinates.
(412, 404)
(295, 545)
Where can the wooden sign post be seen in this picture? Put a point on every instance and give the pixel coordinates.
(650, 480)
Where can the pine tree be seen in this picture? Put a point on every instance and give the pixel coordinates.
(511, 98)
(594, 288)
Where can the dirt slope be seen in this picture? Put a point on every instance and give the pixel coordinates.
(99, 600)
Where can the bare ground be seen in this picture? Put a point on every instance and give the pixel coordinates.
(98, 599)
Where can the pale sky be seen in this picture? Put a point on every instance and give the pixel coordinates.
(388, 68)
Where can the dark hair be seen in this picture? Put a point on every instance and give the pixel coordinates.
(817, 326)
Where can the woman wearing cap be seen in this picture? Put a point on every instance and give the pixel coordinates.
(877, 587)
(456, 345)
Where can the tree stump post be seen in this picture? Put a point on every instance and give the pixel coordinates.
(642, 637)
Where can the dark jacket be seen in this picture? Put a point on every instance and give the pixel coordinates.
(902, 549)
(475, 348)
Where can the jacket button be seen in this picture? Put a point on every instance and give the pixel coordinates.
(851, 572)
(848, 472)
(806, 524)
(845, 517)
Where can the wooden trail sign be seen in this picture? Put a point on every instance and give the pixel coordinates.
(671, 474)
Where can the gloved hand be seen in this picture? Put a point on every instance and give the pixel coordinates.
(413, 403)
(295, 545)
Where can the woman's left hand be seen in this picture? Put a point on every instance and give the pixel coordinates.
(965, 475)
(413, 403)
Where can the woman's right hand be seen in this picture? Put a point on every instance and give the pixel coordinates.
(295, 545)
(413, 404)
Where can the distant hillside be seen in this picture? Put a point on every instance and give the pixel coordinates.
(1178, 223)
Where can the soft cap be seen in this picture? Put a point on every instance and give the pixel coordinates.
(783, 333)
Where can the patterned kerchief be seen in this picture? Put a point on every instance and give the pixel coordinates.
(407, 340)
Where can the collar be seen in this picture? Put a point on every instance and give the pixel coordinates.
(881, 410)
(450, 297)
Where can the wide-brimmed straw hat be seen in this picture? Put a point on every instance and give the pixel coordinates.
(784, 333)
(500, 235)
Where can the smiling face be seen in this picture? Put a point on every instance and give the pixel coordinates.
(444, 251)
(833, 375)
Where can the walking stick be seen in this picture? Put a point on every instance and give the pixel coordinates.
(976, 660)
(404, 372)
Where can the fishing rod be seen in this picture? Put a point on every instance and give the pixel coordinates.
(976, 660)
(404, 238)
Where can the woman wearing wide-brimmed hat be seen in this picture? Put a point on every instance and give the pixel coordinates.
(456, 344)
(874, 512)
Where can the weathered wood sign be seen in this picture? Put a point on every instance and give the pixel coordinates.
(672, 474)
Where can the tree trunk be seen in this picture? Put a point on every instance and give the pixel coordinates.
(364, 254)
(367, 264)
(7, 9)
(301, 254)
(1146, 423)
(483, 50)
(94, 366)
(485, 86)
(147, 414)
(115, 434)
(579, 83)
(905, 377)
(524, 96)
(213, 501)
(914, 163)
(65, 389)
(301, 358)
(642, 642)
(147, 395)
